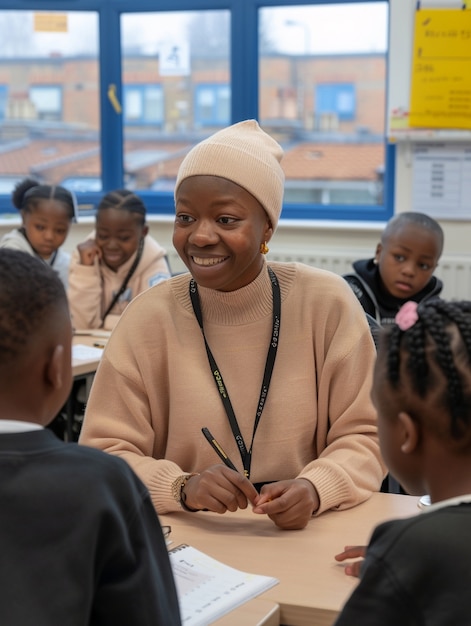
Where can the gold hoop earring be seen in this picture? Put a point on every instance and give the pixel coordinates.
(264, 248)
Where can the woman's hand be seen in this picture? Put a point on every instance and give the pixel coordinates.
(288, 503)
(219, 489)
(352, 552)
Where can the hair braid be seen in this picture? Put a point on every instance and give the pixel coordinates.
(28, 192)
(417, 364)
(394, 344)
(125, 200)
(432, 327)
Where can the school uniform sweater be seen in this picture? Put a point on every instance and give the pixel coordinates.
(80, 541)
(416, 572)
(60, 261)
(92, 287)
(154, 390)
(368, 287)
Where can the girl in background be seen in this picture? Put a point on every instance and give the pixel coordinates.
(47, 212)
(115, 263)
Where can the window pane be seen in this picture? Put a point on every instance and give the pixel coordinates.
(132, 105)
(47, 102)
(49, 98)
(176, 65)
(322, 92)
(154, 104)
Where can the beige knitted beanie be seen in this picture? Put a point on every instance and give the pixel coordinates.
(244, 154)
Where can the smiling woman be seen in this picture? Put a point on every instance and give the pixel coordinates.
(216, 227)
(219, 223)
(255, 352)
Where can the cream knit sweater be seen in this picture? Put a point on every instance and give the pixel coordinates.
(154, 391)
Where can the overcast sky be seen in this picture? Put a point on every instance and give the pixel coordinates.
(295, 30)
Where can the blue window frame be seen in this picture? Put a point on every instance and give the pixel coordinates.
(244, 90)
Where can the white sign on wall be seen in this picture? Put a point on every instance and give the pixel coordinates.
(441, 184)
(174, 58)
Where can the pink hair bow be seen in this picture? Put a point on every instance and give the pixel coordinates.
(407, 315)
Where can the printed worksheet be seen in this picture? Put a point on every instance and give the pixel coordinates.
(208, 589)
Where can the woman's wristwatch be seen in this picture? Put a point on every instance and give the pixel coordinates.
(178, 494)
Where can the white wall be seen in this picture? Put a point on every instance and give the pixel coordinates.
(317, 243)
(292, 237)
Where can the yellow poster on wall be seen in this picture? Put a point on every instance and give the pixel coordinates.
(441, 69)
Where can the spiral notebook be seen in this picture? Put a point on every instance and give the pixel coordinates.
(208, 589)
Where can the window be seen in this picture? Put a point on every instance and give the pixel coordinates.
(50, 112)
(47, 102)
(322, 92)
(143, 104)
(212, 105)
(337, 100)
(157, 80)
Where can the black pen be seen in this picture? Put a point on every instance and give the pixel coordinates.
(219, 451)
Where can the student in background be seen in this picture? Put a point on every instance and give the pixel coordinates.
(402, 268)
(115, 263)
(80, 540)
(416, 571)
(47, 212)
(275, 359)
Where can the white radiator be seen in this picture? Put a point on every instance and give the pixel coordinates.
(455, 272)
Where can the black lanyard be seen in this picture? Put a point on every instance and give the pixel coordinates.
(124, 284)
(246, 455)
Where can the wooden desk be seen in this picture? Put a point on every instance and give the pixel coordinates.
(81, 367)
(82, 372)
(313, 586)
(257, 612)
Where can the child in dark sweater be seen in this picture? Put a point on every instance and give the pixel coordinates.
(416, 570)
(80, 540)
(402, 268)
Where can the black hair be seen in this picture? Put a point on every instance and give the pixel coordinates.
(28, 192)
(427, 347)
(418, 219)
(125, 200)
(29, 291)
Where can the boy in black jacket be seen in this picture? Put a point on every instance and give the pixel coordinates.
(80, 541)
(402, 268)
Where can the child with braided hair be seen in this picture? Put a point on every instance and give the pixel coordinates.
(47, 212)
(416, 570)
(115, 263)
